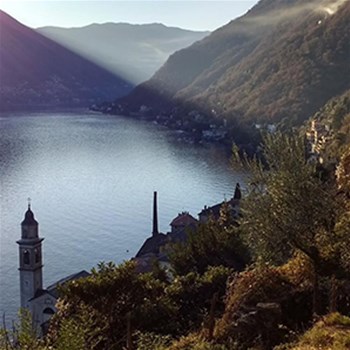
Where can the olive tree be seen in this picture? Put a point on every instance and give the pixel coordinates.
(289, 206)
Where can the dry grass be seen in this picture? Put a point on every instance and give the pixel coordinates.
(331, 333)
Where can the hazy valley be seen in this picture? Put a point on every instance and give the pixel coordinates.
(56, 67)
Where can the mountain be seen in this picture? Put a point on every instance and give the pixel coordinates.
(37, 72)
(134, 52)
(335, 117)
(280, 62)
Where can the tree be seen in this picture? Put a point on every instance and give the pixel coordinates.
(101, 303)
(96, 310)
(23, 336)
(343, 173)
(215, 243)
(343, 225)
(289, 207)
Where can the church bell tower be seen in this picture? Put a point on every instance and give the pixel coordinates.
(30, 258)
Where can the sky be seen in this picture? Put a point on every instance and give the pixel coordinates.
(188, 14)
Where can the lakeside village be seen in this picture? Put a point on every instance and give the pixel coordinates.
(193, 126)
(190, 126)
(41, 301)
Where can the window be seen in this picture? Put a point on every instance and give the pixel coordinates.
(26, 257)
(48, 311)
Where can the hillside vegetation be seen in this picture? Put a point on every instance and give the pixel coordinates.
(336, 114)
(332, 332)
(281, 61)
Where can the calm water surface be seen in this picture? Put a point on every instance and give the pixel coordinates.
(91, 179)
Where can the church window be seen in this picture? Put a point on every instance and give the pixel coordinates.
(48, 311)
(26, 257)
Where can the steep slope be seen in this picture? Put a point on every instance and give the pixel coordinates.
(36, 71)
(281, 61)
(132, 51)
(335, 117)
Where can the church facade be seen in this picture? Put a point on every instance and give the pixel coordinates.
(39, 301)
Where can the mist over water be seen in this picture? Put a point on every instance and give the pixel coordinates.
(91, 180)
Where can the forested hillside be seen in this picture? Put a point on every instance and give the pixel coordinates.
(336, 115)
(281, 61)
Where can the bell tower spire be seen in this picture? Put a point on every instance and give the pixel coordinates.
(30, 258)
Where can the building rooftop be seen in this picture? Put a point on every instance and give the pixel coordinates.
(215, 209)
(52, 289)
(184, 219)
(152, 245)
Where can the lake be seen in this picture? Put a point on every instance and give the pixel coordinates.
(91, 179)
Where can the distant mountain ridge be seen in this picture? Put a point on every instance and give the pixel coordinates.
(132, 51)
(280, 62)
(37, 72)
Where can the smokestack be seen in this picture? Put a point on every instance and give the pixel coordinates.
(238, 193)
(155, 215)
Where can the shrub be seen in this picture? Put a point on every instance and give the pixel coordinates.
(265, 303)
(332, 332)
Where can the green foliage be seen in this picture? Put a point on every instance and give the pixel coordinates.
(196, 342)
(193, 293)
(336, 319)
(288, 206)
(336, 114)
(102, 301)
(343, 173)
(342, 230)
(342, 227)
(96, 307)
(265, 305)
(215, 243)
(147, 341)
(23, 336)
(71, 335)
(263, 283)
